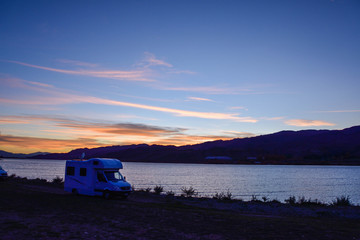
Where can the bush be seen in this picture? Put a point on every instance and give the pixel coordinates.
(254, 199)
(275, 201)
(170, 193)
(291, 200)
(57, 180)
(188, 192)
(303, 201)
(158, 189)
(309, 202)
(223, 196)
(343, 201)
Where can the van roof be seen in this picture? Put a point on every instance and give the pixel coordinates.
(107, 163)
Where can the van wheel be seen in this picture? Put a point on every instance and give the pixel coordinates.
(75, 192)
(106, 195)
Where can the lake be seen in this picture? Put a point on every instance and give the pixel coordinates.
(324, 183)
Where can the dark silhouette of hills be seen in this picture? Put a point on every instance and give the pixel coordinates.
(285, 147)
(4, 154)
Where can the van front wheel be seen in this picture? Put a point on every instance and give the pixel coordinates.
(106, 195)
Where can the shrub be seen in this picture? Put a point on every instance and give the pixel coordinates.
(291, 200)
(275, 201)
(309, 202)
(223, 196)
(343, 201)
(158, 189)
(170, 193)
(228, 195)
(265, 199)
(188, 192)
(254, 199)
(57, 180)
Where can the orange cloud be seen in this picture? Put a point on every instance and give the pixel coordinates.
(79, 134)
(307, 123)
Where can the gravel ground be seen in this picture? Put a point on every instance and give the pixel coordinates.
(40, 210)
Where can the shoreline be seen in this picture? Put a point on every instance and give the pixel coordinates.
(354, 164)
(42, 210)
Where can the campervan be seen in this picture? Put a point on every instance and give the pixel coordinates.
(96, 177)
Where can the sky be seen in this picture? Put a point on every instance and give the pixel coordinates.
(77, 74)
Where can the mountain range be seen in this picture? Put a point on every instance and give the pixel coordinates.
(337, 147)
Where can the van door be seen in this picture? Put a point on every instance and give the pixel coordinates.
(100, 182)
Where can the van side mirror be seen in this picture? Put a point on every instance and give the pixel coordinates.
(125, 178)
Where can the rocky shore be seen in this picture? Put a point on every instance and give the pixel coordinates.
(35, 209)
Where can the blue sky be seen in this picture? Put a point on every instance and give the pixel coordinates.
(96, 73)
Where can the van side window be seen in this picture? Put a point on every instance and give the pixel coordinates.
(83, 172)
(70, 171)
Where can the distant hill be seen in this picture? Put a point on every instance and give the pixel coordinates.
(4, 154)
(285, 147)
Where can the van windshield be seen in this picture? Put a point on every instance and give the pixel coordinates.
(114, 176)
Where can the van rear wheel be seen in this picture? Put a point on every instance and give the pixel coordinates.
(75, 192)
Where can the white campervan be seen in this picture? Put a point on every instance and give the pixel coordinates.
(96, 177)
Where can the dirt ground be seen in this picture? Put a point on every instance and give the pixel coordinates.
(38, 210)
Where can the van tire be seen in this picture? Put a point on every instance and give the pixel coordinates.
(75, 192)
(106, 194)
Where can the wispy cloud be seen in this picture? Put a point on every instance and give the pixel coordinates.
(238, 108)
(120, 129)
(307, 123)
(341, 111)
(77, 63)
(132, 75)
(200, 99)
(204, 89)
(60, 96)
(215, 90)
(272, 118)
(151, 60)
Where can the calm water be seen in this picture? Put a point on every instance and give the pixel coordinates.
(243, 181)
